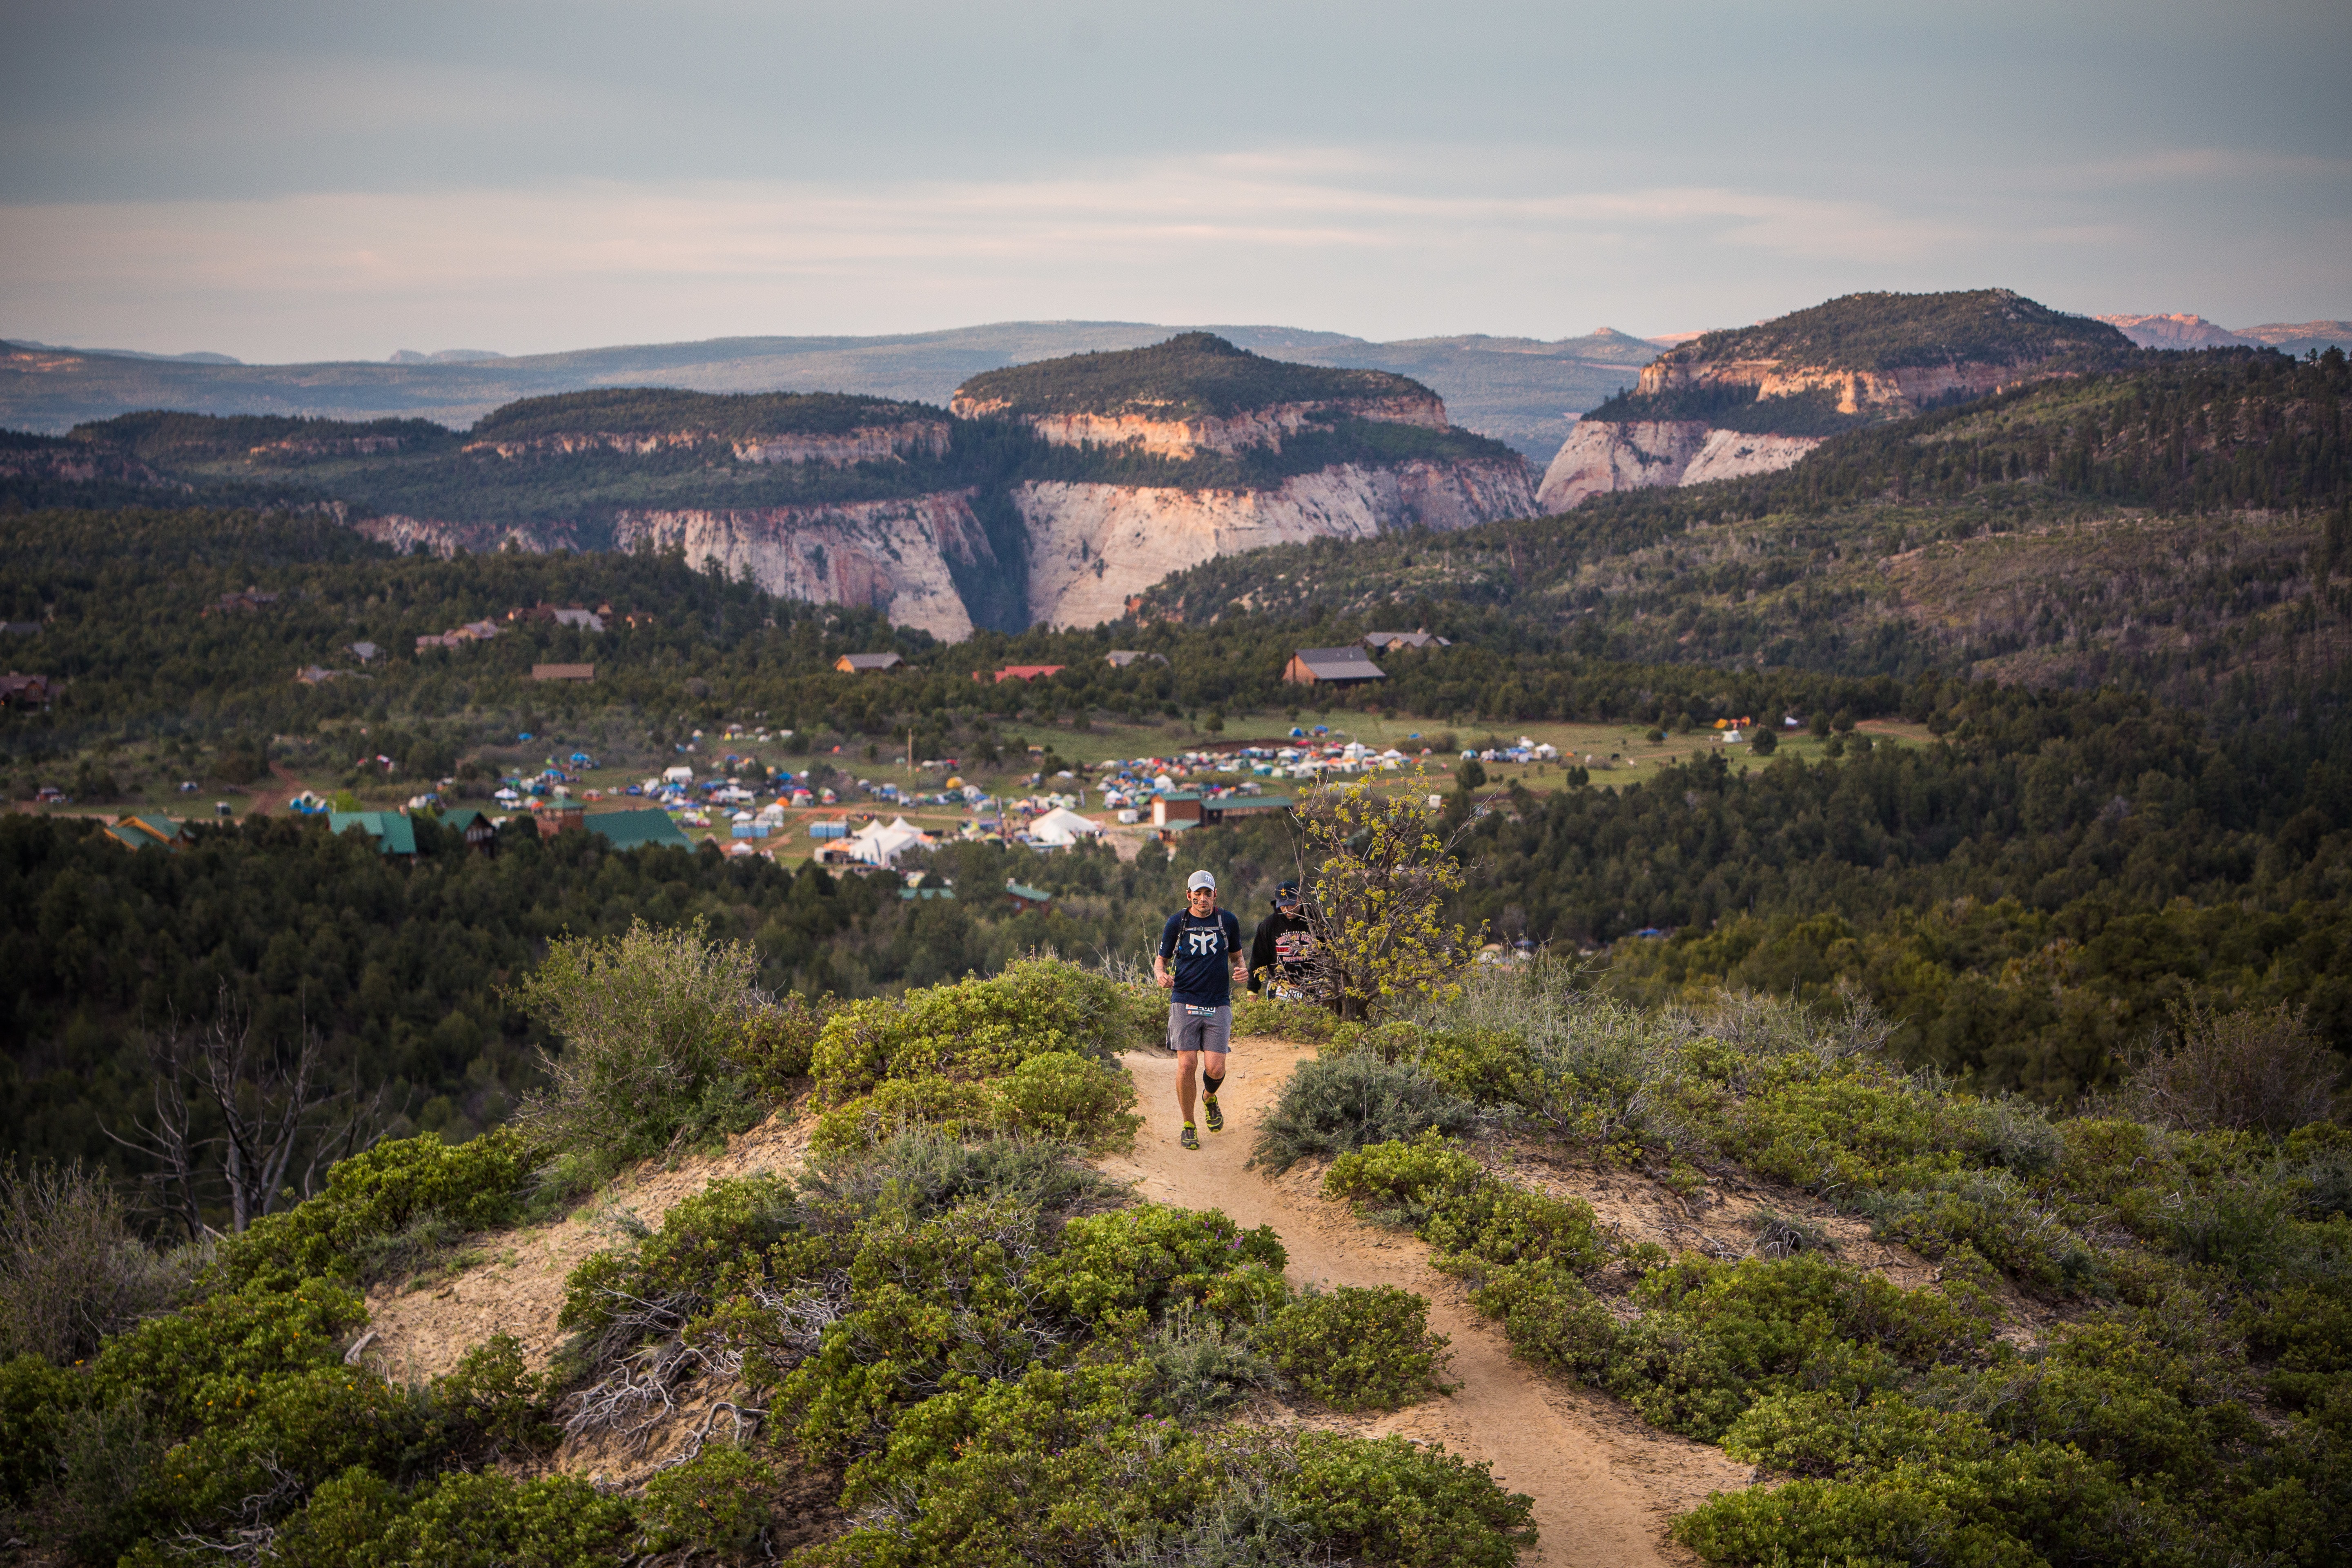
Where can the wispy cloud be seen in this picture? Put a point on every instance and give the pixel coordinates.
(1383, 241)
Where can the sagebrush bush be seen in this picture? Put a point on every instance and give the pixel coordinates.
(1330, 1106)
(1201, 1364)
(2254, 1069)
(71, 1269)
(648, 1021)
(1357, 1349)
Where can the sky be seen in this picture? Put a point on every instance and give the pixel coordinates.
(312, 181)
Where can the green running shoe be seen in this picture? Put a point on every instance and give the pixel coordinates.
(1191, 1140)
(1217, 1119)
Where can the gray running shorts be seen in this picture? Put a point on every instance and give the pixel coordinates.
(1194, 1028)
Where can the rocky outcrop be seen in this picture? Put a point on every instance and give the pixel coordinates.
(1634, 455)
(1232, 434)
(889, 555)
(840, 449)
(1659, 454)
(1092, 547)
(445, 539)
(1733, 455)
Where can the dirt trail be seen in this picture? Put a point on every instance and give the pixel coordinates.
(1605, 1485)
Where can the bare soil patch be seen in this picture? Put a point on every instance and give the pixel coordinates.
(518, 1286)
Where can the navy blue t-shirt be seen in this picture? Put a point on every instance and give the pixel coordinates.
(1200, 952)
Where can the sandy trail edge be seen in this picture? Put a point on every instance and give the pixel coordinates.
(1604, 1484)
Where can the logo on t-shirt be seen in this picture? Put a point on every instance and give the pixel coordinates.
(1206, 943)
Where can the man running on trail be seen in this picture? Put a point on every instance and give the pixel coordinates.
(1204, 943)
(1279, 949)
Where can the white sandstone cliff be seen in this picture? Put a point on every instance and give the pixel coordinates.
(1658, 454)
(889, 555)
(1094, 546)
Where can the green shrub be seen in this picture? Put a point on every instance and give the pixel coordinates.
(1150, 1258)
(1391, 1500)
(1053, 1466)
(1358, 1348)
(499, 1402)
(717, 1501)
(1473, 1220)
(490, 1519)
(209, 1355)
(1992, 1213)
(1330, 1106)
(1061, 1096)
(35, 1398)
(1819, 1432)
(1553, 1318)
(1057, 1096)
(929, 1301)
(341, 1525)
(1718, 1336)
(1270, 1017)
(982, 1028)
(418, 1188)
(776, 1044)
(954, 1109)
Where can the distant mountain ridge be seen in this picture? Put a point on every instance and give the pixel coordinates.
(1057, 494)
(1756, 399)
(1517, 390)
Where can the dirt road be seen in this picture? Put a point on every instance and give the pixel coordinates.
(1604, 1484)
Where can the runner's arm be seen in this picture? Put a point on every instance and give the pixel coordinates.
(1261, 961)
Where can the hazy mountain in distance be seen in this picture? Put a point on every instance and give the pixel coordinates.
(443, 356)
(2299, 338)
(1520, 391)
(2177, 329)
(199, 357)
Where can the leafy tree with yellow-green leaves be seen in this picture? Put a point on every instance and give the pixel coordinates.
(1380, 865)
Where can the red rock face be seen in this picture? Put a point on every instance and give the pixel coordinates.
(1267, 427)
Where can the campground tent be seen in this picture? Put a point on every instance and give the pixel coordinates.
(1062, 827)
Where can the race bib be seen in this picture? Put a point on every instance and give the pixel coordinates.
(1193, 1012)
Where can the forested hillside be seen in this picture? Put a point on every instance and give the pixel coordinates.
(2172, 525)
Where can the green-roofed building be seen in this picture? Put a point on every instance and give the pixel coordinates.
(394, 833)
(145, 833)
(636, 830)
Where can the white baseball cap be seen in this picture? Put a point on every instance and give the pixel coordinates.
(1198, 880)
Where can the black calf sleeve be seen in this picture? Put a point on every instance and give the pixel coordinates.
(1209, 1086)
